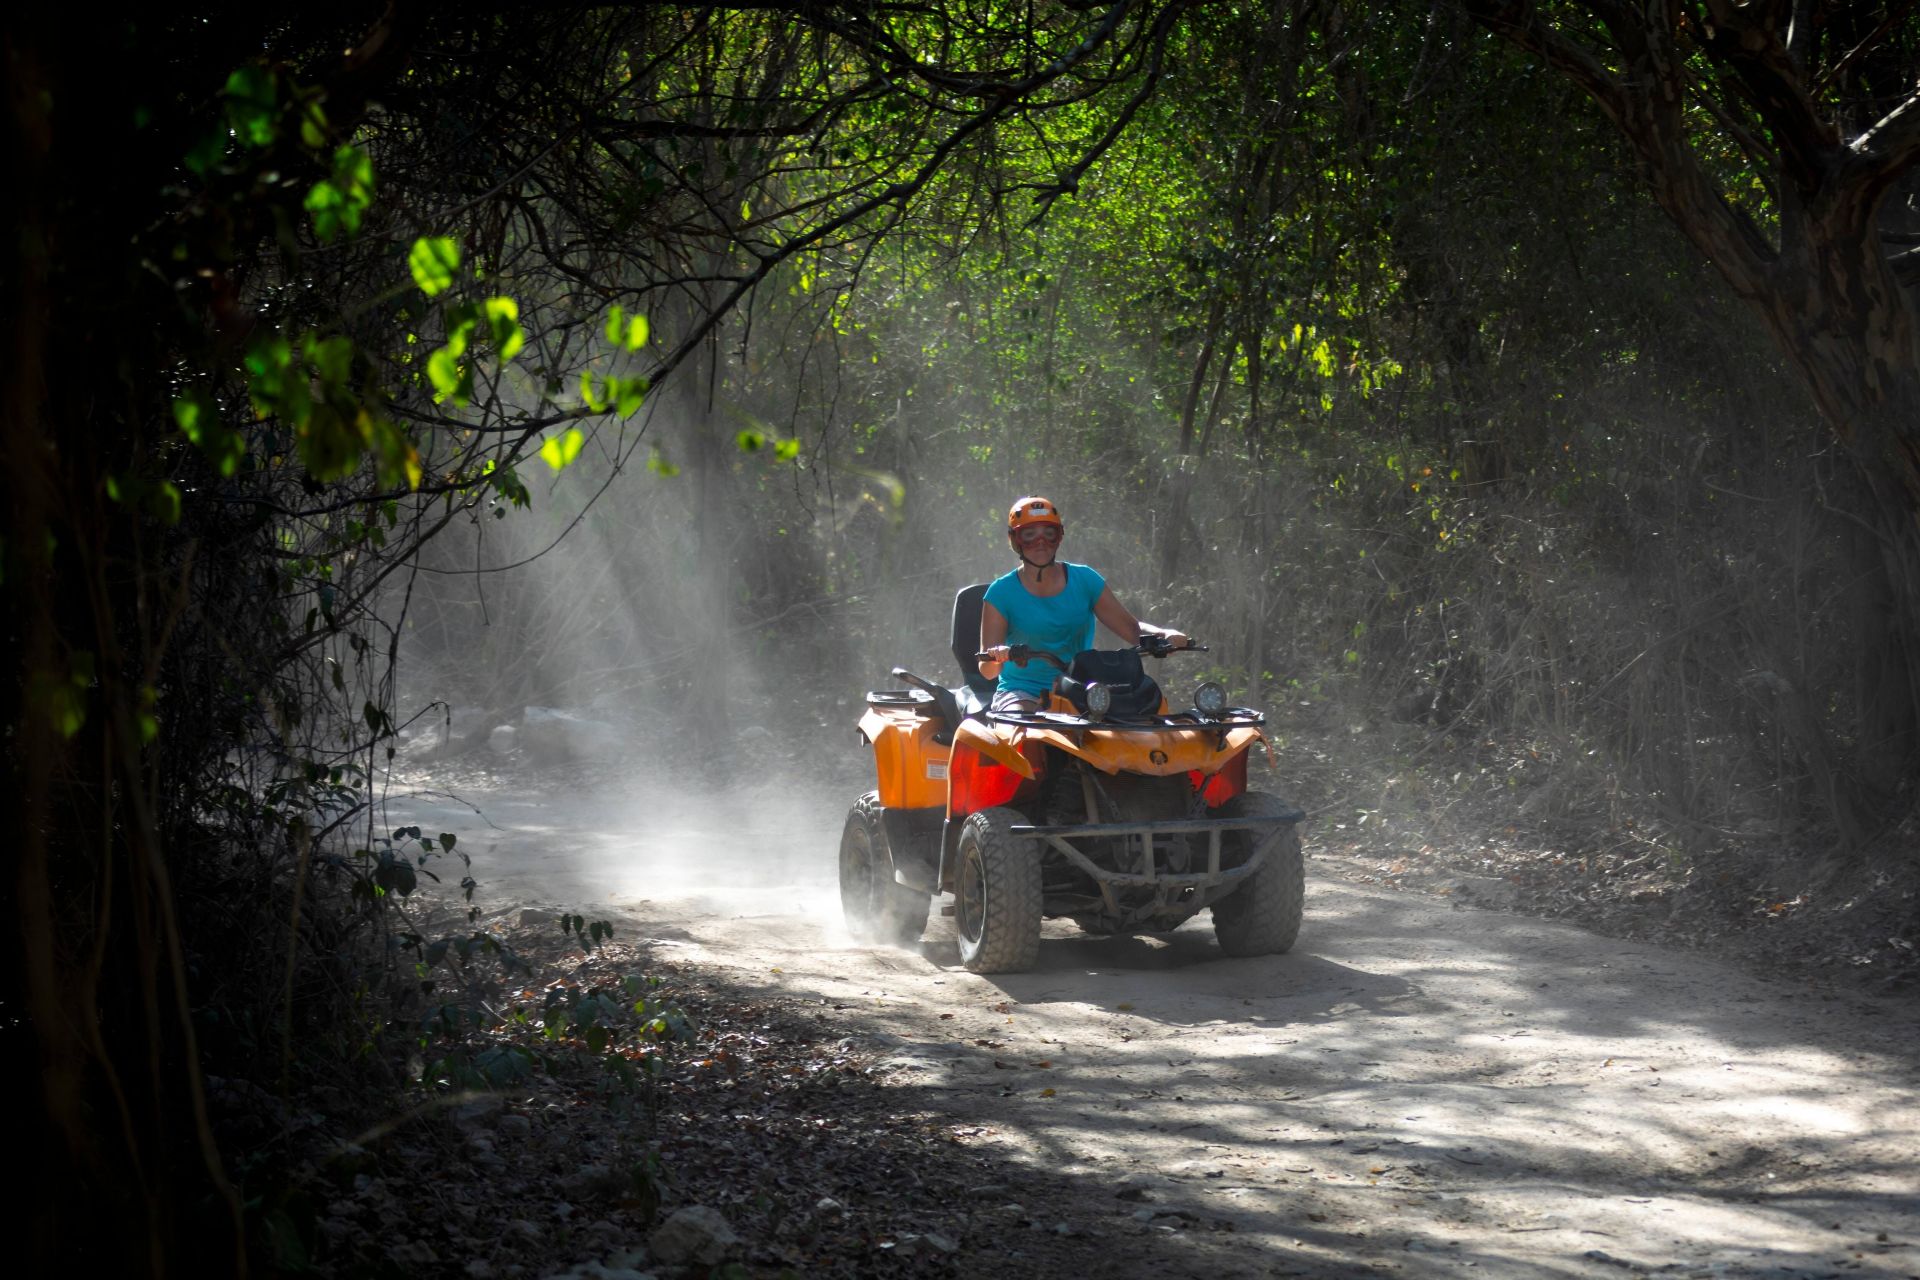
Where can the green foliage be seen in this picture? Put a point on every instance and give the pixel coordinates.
(252, 95)
(200, 422)
(339, 202)
(559, 451)
(628, 333)
(587, 935)
(433, 261)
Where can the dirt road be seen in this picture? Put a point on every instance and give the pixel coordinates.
(1416, 1090)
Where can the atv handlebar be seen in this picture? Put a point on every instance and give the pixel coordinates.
(1156, 646)
(1153, 646)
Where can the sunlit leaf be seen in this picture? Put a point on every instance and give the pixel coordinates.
(589, 392)
(433, 261)
(559, 451)
(503, 326)
(628, 394)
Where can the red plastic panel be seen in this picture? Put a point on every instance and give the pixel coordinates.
(1224, 785)
(975, 782)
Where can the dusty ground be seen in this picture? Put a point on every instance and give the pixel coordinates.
(1421, 1088)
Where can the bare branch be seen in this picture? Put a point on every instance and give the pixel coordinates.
(1891, 147)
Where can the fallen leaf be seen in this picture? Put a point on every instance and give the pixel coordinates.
(1046, 1093)
(1125, 1006)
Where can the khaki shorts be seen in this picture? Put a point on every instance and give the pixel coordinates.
(1011, 700)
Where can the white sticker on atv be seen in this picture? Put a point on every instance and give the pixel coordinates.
(936, 768)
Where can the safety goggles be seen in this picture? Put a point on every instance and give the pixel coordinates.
(1038, 533)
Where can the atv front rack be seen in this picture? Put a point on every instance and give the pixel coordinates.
(1169, 891)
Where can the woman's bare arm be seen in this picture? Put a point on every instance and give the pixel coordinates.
(1120, 620)
(993, 639)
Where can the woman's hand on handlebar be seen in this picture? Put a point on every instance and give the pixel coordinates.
(1158, 644)
(992, 659)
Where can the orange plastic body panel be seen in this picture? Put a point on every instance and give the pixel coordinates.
(989, 763)
(1202, 751)
(912, 767)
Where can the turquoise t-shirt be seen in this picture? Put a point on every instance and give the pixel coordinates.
(1061, 624)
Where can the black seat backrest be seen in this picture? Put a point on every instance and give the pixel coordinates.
(966, 638)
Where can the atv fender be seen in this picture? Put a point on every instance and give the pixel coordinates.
(989, 744)
(912, 837)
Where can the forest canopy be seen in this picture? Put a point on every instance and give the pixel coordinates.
(1542, 372)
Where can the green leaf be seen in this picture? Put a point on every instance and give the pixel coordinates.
(331, 358)
(559, 452)
(787, 450)
(338, 203)
(433, 261)
(660, 465)
(451, 378)
(503, 326)
(207, 153)
(751, 441)
(628, 332)
(252, 95)
(313, 126)
(164, 502)
(628, 394)
(200, 422)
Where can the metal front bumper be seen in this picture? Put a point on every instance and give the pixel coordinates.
(1206, 886)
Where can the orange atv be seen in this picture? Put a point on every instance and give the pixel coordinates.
(1108, 809)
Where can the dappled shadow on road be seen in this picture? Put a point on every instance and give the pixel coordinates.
(1414, 1081)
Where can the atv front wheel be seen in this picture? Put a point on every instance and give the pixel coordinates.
(1262, 916)
(997, 894)
(877, 909)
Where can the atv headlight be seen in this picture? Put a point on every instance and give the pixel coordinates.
(1099, 699)
(1210, 699)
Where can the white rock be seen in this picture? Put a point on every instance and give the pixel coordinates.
(1138, 1186)
(478, 1110)
(930, 1243)
(552, 736)
(694, 1234)
(503, 739)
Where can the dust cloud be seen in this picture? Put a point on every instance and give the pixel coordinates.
(645, 685)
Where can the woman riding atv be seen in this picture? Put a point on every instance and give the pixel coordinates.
(1049, 611)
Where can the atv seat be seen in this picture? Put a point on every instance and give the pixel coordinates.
(966, 643)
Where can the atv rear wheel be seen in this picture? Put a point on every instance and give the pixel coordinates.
(1262, 916)
(877, 909)
(997, 894)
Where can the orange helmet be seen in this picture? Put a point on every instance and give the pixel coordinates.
(1034, 510)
